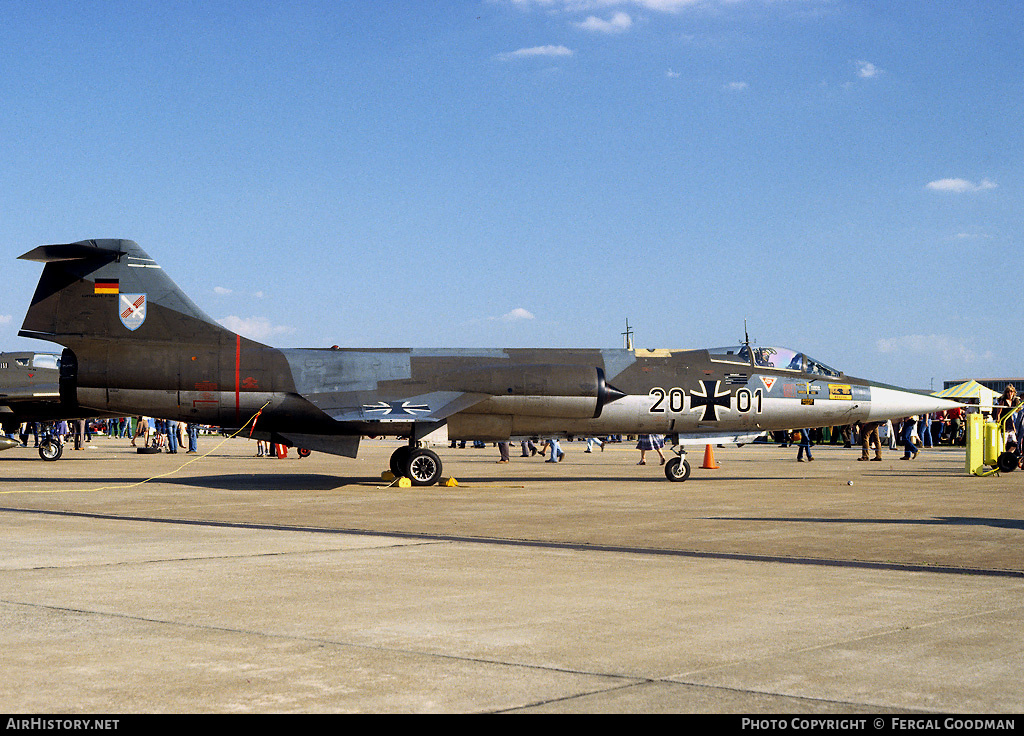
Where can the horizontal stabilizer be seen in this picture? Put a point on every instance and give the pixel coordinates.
(73, 252)
(30, 392)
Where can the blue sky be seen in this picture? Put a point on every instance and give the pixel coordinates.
(846, 176)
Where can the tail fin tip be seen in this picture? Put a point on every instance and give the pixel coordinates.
(82, 250)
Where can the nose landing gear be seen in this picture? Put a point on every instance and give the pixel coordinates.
(677, 469)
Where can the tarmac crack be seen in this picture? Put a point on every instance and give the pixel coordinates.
(875, 635)
(626, 681)
(633, 679)
(648, 681)
(208, 558)
(574, 696)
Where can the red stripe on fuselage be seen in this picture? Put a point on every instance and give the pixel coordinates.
(238, 372)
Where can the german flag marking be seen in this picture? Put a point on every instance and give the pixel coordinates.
(106, 286)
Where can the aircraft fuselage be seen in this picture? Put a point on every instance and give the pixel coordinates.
(135, 343)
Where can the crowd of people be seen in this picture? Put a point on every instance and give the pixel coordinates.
(910, 433)
(164, 435)
(551, 448)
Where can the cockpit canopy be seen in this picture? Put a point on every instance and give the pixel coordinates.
(778, 358)
(35, 360)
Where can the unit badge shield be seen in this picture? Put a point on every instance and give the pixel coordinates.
(132, 310)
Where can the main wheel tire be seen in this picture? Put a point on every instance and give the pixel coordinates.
(303, 452)
(50, 449)
(423, 468)
(677, 470)
(400, 461)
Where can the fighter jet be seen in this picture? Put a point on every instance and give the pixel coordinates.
(135, 343)
(30, 391)
(29, 387)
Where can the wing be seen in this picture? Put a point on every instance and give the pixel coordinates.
(29, 392)
(389, 407)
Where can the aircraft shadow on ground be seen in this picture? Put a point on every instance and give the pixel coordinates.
(263, 482)
(1016, 524)
(533, 480)
(234, 482)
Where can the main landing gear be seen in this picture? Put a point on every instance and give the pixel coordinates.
(418, 464)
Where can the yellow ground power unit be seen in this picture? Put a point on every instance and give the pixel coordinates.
(975, 444)
(986, 445)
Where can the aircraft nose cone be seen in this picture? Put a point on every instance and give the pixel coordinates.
(893, 403)
(6, 443)
(612, 394)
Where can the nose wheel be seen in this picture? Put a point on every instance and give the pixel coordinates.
(677, 469)
(50, 449)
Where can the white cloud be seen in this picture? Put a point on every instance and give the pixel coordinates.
(5, 319)
(579, 6)
(959, 185)
(255, 328)
(668, 6)
(867, 70)
(736, 86)
(619, 23)
(943, 347)
(672, 75)
(516, 315)
(221, 290)
(971, 236)
(535, 51)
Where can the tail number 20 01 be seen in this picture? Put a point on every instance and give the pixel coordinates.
(746, 400)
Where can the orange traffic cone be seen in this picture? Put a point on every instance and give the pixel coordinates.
(709, 459)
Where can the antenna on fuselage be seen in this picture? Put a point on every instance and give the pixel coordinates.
(628, 335)
(746, 343)
(746, 335)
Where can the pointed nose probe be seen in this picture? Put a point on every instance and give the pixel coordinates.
(893, 403)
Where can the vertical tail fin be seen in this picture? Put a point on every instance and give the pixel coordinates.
(111, 289)
(135, 343)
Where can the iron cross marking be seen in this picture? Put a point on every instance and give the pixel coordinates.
(396, 408)
(710, 399)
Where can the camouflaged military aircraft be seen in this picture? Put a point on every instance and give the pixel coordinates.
(28, 388)
(135, 343)
(29, 393)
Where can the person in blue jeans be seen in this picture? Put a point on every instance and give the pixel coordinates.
(805, 445)
(909, 450)
(172, 436)
(556, 451)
